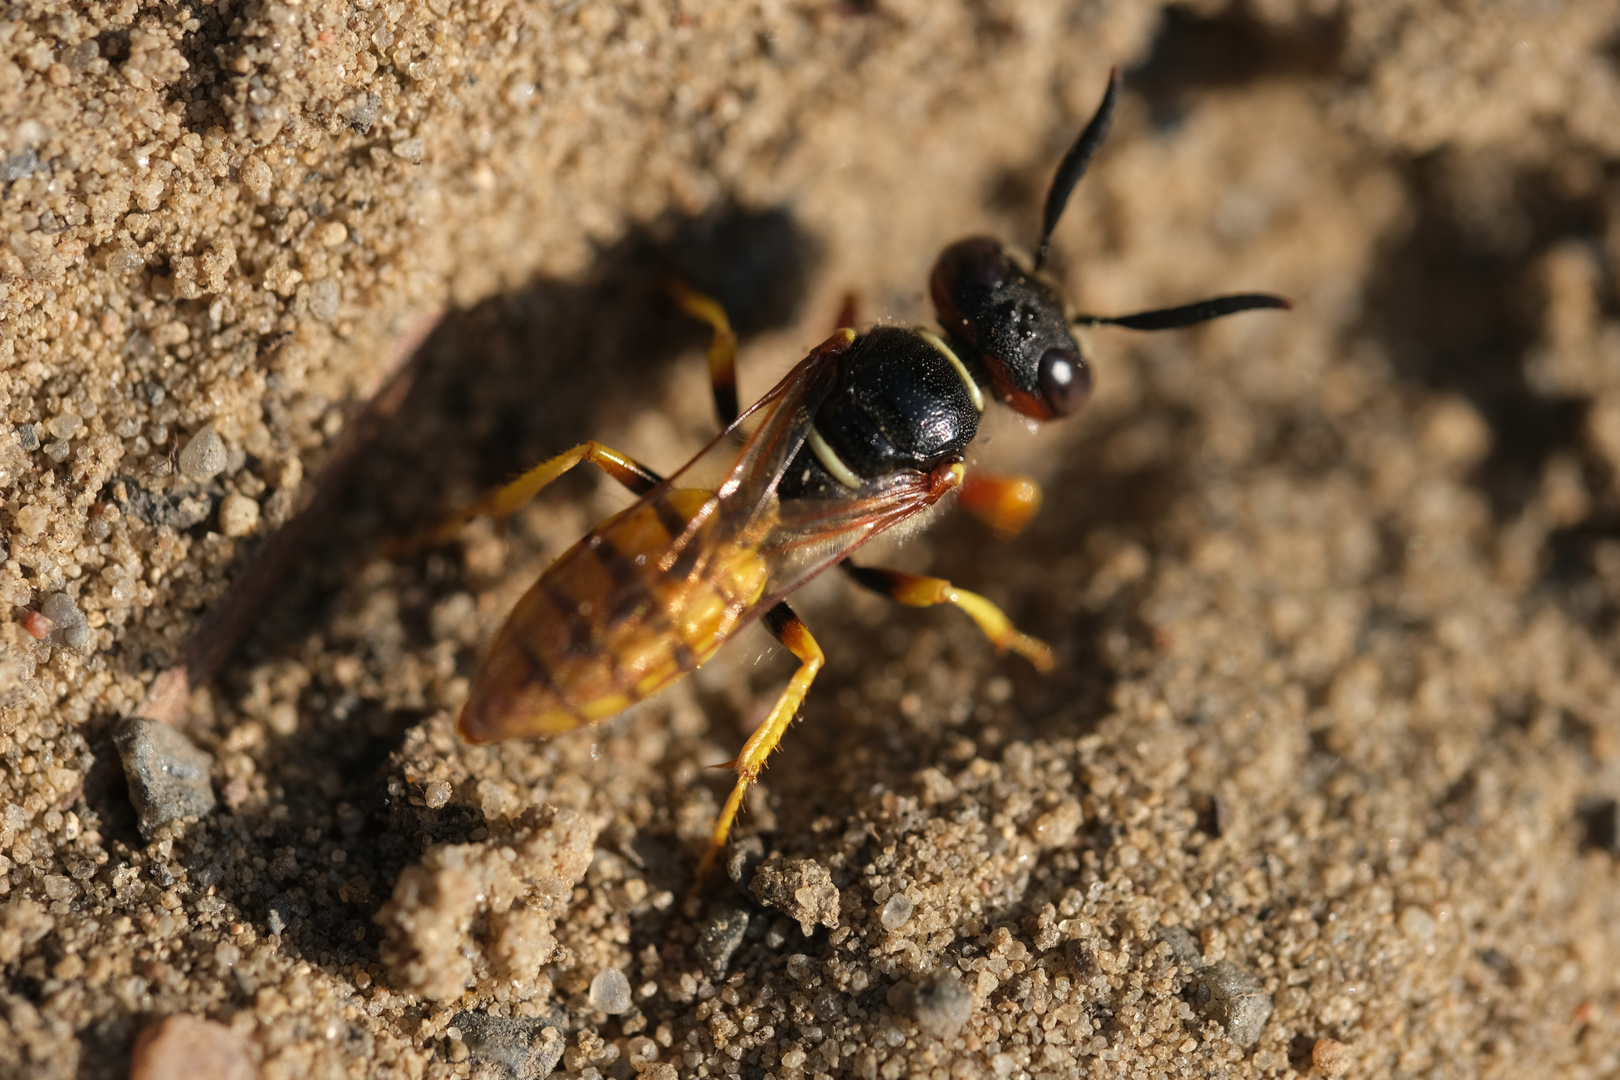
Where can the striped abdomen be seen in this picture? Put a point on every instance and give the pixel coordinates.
(618, 617)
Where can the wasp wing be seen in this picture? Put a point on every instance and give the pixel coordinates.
(741, 468)
(797, 538)
(653, 591)
(811, 535)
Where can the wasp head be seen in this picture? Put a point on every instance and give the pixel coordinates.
(1008, 324)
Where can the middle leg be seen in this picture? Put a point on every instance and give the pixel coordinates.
(507, 499)
(916, 590)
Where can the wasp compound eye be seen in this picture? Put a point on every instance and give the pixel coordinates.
(1065, 381)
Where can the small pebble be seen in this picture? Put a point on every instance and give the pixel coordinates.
(1183, 946)
(19, 166)
(32, 520)
(168, 776)
(28, 437)
(126, 262)
(1331, 1057)
(743, 859)
(800, 968)
(896, 911)
(238, 515)
(436, 793)
(71, 627)
(1233, 998)
(801, 889)
(324, 297)
(65, 426)
(516, 1047)
(184, 1045)
(204, 456)
(940, 1004)
(1415, 922)
(721, 937)
(610, 992)
(282, 718)
(38, 626)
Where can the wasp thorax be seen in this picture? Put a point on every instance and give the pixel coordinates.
(1010, 327)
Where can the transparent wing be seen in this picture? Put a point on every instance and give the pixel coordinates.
(811, 535)
(797, 538)
(740, 469)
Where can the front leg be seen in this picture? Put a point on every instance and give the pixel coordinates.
(916, 590)
(722, 347)
(1005, 503)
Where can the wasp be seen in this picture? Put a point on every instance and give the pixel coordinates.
(867, 432)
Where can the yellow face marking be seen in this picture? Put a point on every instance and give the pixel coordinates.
(961, 369)
(830, 460)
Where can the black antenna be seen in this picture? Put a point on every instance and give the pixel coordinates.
(1073, 165)
(1188, 314)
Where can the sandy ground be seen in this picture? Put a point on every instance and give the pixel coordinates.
(1326, 776)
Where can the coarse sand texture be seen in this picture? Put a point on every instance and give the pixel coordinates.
(1326, 780)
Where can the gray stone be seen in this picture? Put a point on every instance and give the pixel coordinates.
(801, 889)
(743, 858)
(1183, 946)
(1234, 999)
(204, 456)
(71, 627)
(721, 938)
(940, 1004)
(19, 166)
(324, 297)
(280, 916)
(168, 776)
(510, 1047)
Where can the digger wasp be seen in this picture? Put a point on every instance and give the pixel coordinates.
(868, 431)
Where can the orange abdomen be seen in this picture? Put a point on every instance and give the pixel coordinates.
(617, 617)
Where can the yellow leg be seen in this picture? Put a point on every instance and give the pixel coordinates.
(506, 500)
(781, 622)
(722, 349)
(1005, 503)
(916, 590)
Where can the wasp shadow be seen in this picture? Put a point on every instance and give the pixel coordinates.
(1455, 302)
(525, 375)
(497, 388)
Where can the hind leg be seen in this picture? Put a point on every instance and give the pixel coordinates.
(785, 625)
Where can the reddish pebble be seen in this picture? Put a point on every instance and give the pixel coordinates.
(38, 625)
(189, 1046)
(1330, 1056)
